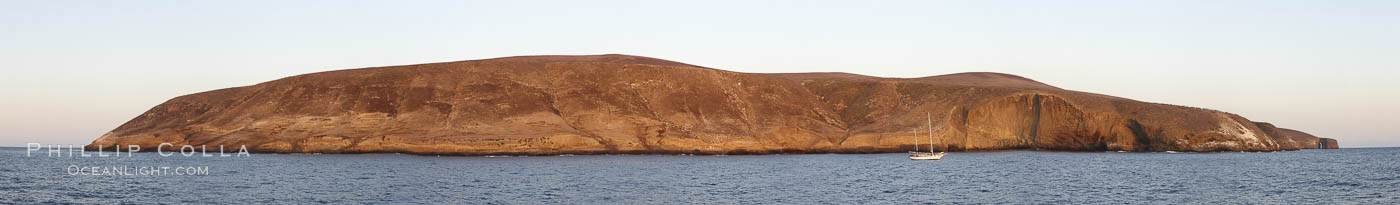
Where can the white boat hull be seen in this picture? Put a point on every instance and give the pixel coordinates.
(926, 156)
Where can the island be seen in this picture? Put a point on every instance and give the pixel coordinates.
(622, 104)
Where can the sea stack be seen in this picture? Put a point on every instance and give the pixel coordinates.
(545, 105)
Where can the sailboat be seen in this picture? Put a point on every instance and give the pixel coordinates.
(916, 155)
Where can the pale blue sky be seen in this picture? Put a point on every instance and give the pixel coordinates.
(73, 70)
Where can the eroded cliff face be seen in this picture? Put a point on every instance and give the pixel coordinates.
(631, 104)
(1327, 143)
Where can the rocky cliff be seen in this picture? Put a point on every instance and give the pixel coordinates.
(632, 104)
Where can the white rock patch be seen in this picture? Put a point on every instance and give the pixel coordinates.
(1231, 127)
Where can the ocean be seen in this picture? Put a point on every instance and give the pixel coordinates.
(1355, 176)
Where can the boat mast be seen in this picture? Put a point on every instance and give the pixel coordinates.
(930, 132)
(916, 139)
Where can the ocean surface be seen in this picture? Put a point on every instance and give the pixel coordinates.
(1356, 176)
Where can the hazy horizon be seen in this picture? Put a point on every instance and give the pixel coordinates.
(73, 70)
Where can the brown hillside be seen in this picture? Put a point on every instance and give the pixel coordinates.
(632, 104)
